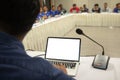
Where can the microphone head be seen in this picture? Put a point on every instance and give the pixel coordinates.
(79, 31)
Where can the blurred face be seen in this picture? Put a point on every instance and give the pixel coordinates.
(96, 7)
(105, 5)
(58, 8)
(118, 6)
(45, 8)
(81, 8)
(74, 6)
(53, 8)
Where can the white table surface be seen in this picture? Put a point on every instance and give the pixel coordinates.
(87, 72)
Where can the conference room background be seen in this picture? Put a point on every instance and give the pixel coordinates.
(68, 3)
(103, 27)
(90, 3)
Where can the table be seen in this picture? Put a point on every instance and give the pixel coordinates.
(87, 72)
(87, 19)
(103, 27)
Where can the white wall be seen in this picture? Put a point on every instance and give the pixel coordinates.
(68, 3)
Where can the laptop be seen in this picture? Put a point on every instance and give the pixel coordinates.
(65, 51)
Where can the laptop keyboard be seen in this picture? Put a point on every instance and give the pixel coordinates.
(66, 64)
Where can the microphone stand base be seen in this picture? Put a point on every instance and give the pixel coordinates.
(101, 62)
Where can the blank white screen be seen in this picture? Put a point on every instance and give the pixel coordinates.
(65, 49)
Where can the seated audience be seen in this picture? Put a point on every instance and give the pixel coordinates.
(81, 10)
(96, 9)
(46, 13)
(106, 8)
(15, 64)
(74, 9)
(40, 15)
(117, 9)
(85, 9)
(53, 11)
(59, 10)
(63, 10)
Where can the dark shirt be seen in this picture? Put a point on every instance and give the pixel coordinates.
(58, 12)
(53, 13)
(15, 64)
(39, 16)
(63, 11)
(85, 10)
(96, 11)
(46, 13)
(116, 10)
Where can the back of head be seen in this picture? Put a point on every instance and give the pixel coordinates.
(53, 7)
(74, 5)
(84, 5)
(18, 16)
(60, 5)
(96, 5)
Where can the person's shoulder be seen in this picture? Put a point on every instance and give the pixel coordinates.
(115, 10)
(77, 8)
(50, 70)
(48, 12)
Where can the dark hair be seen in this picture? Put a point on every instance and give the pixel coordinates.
(117, 4)
(60, 5)
(96, 5)
(19, 15)
(105, 3)
(53, 6)
(74, 4)
(84, 5)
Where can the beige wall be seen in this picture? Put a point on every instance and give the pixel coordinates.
(68, 3)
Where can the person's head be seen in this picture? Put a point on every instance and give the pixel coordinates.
(61, 5)
(45, 8)
(59, 8)
(18, 16)
(84, 5)
(105, 5)
(81, 8)
(118, 5)
(74, 5)
(53, 8)
(96, 6)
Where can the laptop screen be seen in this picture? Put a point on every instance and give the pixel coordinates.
(63, 49)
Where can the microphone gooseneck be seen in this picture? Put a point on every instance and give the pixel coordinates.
(80, 32)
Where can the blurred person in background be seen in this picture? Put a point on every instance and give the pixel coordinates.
(85, 9)
(63, 10)
(53, 11)
(74, 9)
(81, 10)
(40, 15)
(117, 9)
(96, 8)
(59, 10)
(106, 8)
(46, 13)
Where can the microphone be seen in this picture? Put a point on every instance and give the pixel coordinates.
(100, 61)
(80, 32)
